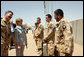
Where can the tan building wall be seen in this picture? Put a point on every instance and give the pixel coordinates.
(77, 26)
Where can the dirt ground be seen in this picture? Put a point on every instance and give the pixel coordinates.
(31, 50)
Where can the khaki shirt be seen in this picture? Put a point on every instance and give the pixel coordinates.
(50, 32)
(5, 30)
(39, 31)
(63, 36)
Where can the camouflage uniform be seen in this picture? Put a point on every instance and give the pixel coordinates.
(49, 38)
(39, 37)
(5, 33)
(34, 34)
(64, 39)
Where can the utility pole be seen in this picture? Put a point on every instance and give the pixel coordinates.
(52, 8)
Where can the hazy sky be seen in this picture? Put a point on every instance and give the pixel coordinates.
(30, 10)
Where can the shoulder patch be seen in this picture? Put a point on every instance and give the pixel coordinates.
(3, 23)
(64, 27)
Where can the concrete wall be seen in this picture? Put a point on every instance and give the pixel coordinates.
(77, 26)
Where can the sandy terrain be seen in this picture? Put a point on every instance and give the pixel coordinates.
(31, 50)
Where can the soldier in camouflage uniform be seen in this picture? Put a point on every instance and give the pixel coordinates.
(64, 39)
(39, 36)
(50, 35)
(36, 25)
(5, 32)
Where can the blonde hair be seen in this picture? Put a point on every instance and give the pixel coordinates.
(18, 20)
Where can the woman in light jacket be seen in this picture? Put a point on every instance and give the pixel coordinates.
(20, 36)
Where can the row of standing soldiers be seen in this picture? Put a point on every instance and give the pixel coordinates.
(57, 37)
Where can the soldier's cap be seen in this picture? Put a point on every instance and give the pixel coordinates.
(19, 19)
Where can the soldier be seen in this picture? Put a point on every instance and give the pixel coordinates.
(64, 39)
(36, 25)
(39, 35)
(50, 35)
(5, 32)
